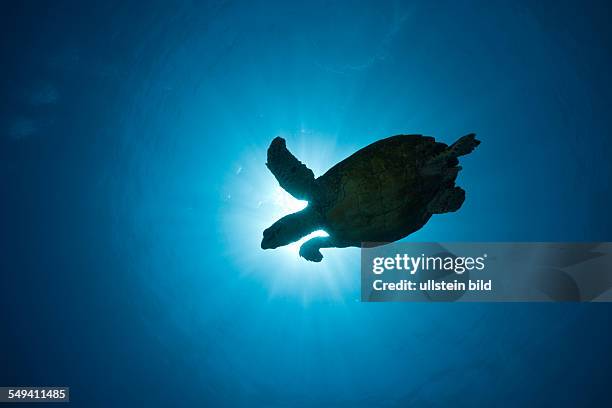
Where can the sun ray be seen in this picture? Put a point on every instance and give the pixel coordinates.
(254, 200)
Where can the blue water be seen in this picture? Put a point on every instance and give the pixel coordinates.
(134, 192)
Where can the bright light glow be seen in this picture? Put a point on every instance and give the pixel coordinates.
(254, 201)
(286, 203)
(295, 247)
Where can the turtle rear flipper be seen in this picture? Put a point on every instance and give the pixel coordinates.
(440, 163)
(448, 200)
(292, 174)
(465, 145)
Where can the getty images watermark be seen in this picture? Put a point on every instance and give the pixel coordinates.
(496, 272)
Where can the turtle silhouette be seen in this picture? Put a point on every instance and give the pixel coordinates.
(379, 194)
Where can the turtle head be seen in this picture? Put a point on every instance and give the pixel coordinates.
(288, 229)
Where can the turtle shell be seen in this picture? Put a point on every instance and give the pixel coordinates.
(378, 194)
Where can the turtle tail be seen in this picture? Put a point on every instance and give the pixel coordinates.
(465, 145)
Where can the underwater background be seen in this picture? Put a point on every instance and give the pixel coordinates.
(134, 193)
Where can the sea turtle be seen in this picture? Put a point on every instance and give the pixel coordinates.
(381, 193)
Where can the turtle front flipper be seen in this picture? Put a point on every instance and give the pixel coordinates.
(311, 249)
(292, 174)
